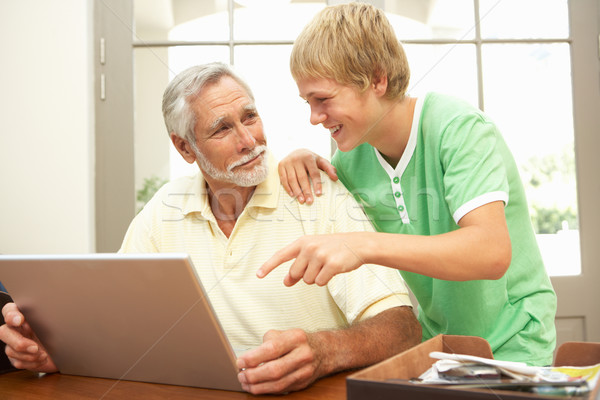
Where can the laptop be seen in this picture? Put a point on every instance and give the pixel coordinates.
(139, 317)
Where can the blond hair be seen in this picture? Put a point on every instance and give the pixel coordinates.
(352, 44)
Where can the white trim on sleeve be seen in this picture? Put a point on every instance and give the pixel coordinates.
(478, 202)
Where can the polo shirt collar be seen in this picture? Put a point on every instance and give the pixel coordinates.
(410, 145)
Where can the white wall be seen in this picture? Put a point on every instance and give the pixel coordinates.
(46, 126)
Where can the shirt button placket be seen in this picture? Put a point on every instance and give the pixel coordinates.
(397, 189)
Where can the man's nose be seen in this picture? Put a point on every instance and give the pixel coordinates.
(245, 139)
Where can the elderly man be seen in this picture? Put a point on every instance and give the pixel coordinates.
(230, 219)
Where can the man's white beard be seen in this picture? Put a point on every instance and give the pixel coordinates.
(241, 178)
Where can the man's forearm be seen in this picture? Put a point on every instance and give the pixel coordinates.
(367, 342)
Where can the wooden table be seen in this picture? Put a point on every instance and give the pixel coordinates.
(28, 385)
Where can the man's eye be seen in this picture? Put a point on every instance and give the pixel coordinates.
(250, 118)
(221, 130)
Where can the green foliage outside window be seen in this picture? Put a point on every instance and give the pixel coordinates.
(151, 185)
(552, 220)
(550, 184)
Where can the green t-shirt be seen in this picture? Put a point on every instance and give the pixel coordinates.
(455, 161)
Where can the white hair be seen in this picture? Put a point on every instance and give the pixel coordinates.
(179, 117)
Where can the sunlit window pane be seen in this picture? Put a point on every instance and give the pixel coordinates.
(450, 69)
(285, 115)
(272, 19)
(529, 19)
(528, 93)
(442, 19)
(150, 136)
(212, 25)
(182, 57)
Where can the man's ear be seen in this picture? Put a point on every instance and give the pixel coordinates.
(380, 84)
(184, 148)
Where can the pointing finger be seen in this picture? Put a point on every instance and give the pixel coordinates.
(286, 254)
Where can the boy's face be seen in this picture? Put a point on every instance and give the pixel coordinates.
(349, 114)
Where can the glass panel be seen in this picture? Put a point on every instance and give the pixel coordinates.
(528, 93)
(187, 20)
(272, 19)
(182, 57)
(442, 19)
(517, 19)
(200, 20)
(443, 68)
(151, 142)
(153, 20)
(285, 115)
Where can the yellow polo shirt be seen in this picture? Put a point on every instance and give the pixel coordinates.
(179, 219)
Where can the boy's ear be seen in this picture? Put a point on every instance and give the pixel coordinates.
(380, 83)
(184, 148)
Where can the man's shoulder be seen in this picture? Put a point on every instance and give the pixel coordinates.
(336, 205)
(183, 184)
(175, 194)
(331, 190)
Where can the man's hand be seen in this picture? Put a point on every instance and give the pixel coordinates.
(23, 348)
(285, 362)
(318, 258)
(293, 359)
(295, 170)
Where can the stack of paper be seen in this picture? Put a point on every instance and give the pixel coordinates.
(467, 371)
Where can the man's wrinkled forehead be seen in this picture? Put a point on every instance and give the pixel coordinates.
(219, 99)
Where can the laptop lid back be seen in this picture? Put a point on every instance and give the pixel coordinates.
(141, 317)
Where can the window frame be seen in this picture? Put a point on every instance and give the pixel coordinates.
(584, 43)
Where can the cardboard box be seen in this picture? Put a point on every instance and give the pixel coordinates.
(372, 382)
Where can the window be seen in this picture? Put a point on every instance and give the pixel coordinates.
(518, 72)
